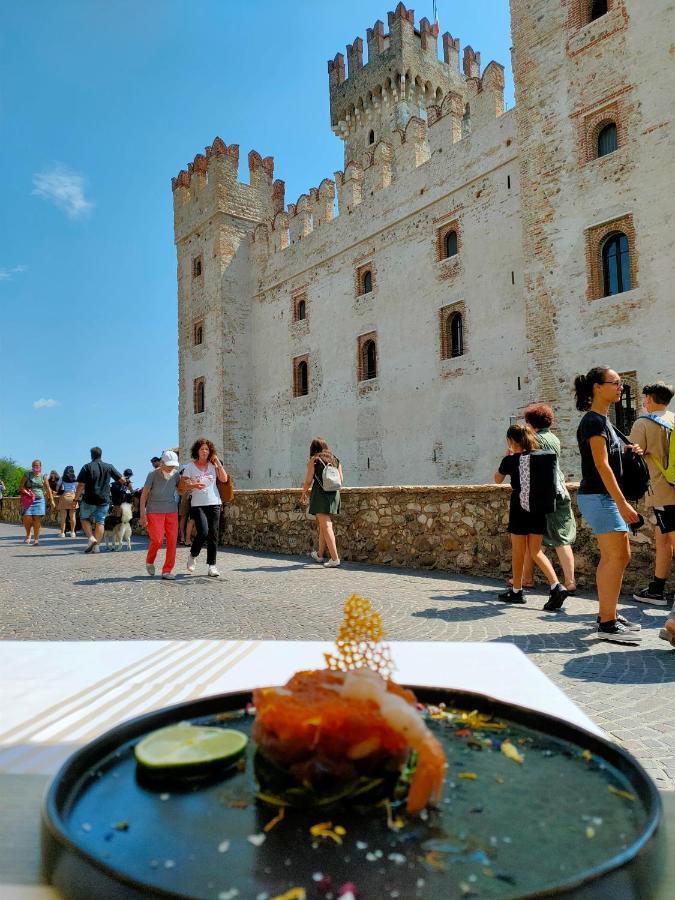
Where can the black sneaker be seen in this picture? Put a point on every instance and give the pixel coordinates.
(631, 626)
(615, 631)
(511, 596)
(556, 598)
(647, 595)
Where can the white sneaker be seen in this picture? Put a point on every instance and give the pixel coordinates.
(63, 534)
(213, 572)
(331, 564)
(315, 556)
(150, 569)
(72, 534)
(191, 563)
(168, 576)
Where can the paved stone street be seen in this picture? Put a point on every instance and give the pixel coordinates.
(55, 592)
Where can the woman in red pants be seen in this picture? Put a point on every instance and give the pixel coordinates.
(159, 512)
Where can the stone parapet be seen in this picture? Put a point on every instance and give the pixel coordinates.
(453, 528)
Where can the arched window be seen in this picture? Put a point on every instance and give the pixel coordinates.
(199, 396)
(367, 282)
(303, 383)
(302, 310)
(369, 360)
(607, 139)
(616, 264)
(598, 8)
(450, 244)
(371, 136)
(455, 334)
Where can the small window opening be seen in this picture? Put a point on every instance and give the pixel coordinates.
(519, 382)
(198, 333)
(302, 379)
(616, 265)
(199, 395)
(302, 310)
(450, 244)
(508, 182)
(369, 360)
(196, 267)
(513, 277)
(367, 282)
(598, 8)
(371, 136)
(456, 341)
(607, 140)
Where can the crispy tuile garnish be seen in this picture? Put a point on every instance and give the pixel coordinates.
(360, 641)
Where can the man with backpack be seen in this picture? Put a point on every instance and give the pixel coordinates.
(654, 431)
(94, 483)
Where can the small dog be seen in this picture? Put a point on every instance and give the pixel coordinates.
(118, 529)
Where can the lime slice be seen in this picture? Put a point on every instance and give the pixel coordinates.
(189, 747)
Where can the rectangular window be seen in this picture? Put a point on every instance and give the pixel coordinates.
(299, 307)
(199, 398)
(452, 320)
(364, 279)
(197, 266)
(198, 333)
(368, 357)
(301, 376)
(448, 243)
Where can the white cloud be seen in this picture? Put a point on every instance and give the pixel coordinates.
(6, 274)
(45, 404)
(64, 188)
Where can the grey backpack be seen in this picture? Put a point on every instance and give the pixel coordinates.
(330, 479)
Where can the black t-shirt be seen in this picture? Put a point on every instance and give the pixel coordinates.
(319, 466)
(510, 466)
(95, 476)
(596, 425)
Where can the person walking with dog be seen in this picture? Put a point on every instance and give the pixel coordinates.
(324, 475)
(34, 490)
(159, 513)
(600, 498)
(200, 478)
(66, 505)
(93, 487)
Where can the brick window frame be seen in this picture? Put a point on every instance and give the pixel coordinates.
(297, 300)
(198, 266)
(445, 315)
(361, 368)
(198, 333)
(441, 235)
(359, 276)
(579, 12)
(592, 124)
(298, 386)
(199, 395)
(595, 237)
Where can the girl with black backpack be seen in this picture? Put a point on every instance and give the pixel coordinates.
(601, 501)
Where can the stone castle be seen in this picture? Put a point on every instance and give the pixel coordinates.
(465, 262)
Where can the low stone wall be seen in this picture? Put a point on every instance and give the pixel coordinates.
(458, 529)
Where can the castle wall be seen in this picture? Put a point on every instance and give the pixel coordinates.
(423, 418)
(570, 76)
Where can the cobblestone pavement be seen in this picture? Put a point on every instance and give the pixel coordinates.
(55, 592)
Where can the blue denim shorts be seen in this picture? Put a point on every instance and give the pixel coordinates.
(601, 513)
(94, 513)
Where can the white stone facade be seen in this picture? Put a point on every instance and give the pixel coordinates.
(427, 149)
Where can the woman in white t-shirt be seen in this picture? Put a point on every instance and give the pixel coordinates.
(200, 478)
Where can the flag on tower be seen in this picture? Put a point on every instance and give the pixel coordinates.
(437, 27)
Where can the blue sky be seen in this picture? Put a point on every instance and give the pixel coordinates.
(101, 103)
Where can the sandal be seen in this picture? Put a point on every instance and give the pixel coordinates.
(26, 540)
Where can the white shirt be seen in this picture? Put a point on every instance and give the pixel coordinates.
(208, 495)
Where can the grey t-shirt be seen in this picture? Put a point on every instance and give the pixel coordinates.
(161, 492)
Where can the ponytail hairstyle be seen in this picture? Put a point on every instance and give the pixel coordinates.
(524, 436)
(583, 386)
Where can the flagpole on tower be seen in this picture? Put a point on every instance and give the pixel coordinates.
(437, 27)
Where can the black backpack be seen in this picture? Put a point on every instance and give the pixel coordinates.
(634, 480)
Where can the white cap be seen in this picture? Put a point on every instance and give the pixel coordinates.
(169, 458)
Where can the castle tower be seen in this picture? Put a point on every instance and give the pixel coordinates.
(402, 78)
(594, 120)
(214, 217)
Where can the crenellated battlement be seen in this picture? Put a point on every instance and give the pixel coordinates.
(210, 183)
(403, 78)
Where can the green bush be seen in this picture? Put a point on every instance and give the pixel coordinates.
(11, 474)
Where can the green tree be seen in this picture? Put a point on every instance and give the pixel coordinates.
(11, 474)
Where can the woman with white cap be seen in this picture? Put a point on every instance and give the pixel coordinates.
(159, 512)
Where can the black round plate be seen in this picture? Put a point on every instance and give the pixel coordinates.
(502, 830)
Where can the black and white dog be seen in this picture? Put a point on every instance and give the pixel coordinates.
(118, 529)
